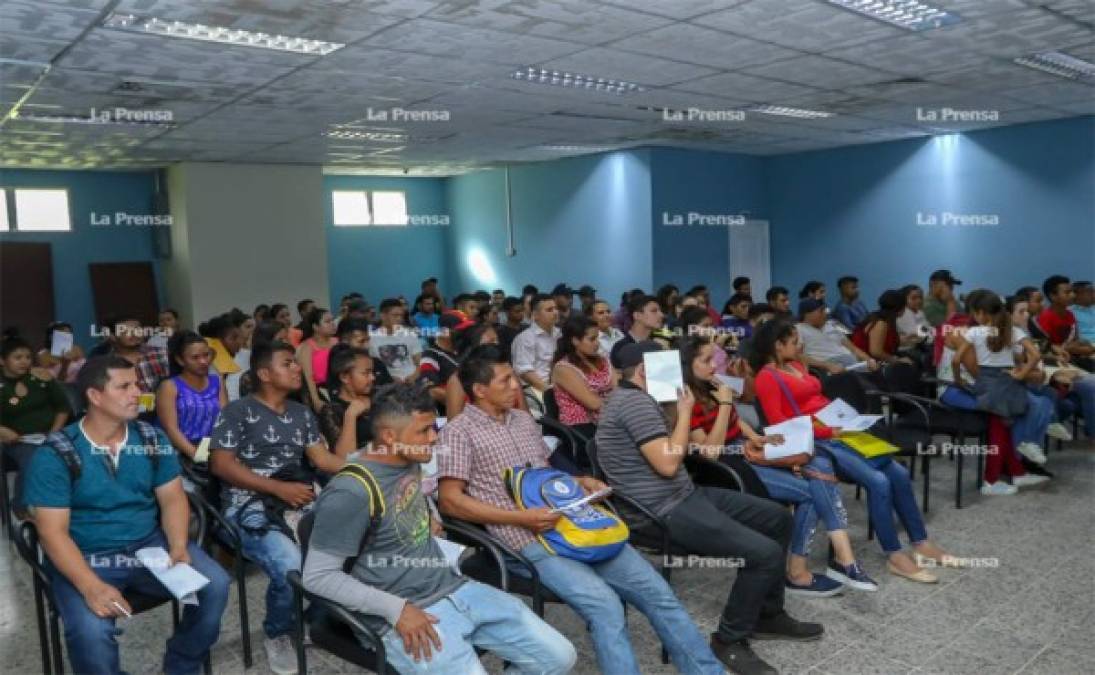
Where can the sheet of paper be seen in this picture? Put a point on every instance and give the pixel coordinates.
(798, 436)
(60, 342)
(663, 375)
(603, 492)
(202, 454)
(33, 439)
(735, 383)
(451, 550)
(839, 414)
(180, 579)
(858, 365)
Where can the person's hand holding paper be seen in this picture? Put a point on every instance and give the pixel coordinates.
(797, 434)
(663, 374)
(838, 414)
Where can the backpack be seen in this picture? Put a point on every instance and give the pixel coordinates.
(64, 445)
(376, 507)
(587, 533)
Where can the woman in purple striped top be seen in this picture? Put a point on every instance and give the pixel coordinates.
(187, 403)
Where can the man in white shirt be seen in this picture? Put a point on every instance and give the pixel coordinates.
(396, 345)
(607, 334)
(534, 348)
(824, 347)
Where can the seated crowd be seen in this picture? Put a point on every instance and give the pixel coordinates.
(382, 426)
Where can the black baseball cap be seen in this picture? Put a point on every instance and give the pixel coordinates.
(808, 305)
(631, 354)
(587, 290)
(944, 275)
(562, 289)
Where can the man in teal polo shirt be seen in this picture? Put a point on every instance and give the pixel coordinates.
(123, 499)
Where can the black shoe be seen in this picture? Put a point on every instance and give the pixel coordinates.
(739, 657)
(1036, 469)
(782, 627)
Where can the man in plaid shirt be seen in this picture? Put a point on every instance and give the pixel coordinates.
(127, 339)
(489, 436)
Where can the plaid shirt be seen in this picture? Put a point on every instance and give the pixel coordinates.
(152, 368)
(475, 448)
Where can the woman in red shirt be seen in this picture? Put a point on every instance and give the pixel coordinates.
(878, 335)
(811, 488)
(786, 389)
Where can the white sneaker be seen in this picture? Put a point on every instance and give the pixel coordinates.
(1032, 451)
(281, 656)
(998, 489)
(1059, 431)
(1028, 480)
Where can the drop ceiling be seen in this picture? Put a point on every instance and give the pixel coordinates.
(240, 104)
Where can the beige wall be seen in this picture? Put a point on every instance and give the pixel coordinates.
(245, 234)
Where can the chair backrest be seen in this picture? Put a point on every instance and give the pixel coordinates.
(551, 406)
(198, 521)
(75, 399)
(594, 462)
(848, 386)
(304, 533)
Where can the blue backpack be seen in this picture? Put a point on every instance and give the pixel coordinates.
(588, 532)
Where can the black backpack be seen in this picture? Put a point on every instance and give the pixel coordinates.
(64, 445)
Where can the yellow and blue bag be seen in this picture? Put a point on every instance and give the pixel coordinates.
(586, 532)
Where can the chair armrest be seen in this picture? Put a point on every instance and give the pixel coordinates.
(718, 467)
(199, 510)
(577, 442)
(658, 521)
(341, 613)
(919, 402)
(26, 541)
(219, 521)
(479, 536)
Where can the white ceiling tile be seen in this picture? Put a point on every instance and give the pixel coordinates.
(820, 72)
(739, 86)
(1013, 34)
(677, 9)
(694, 44)
(912, 54)
(805, 26)
(436, 38)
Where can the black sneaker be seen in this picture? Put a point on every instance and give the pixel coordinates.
(782, 627)
(1036, 469)
(739, 657)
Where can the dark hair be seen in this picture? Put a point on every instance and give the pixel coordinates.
(662, 298)
(498, 290)
(774, 292)
(218, 327)
(304, 303)
(1049, 286)
(690, 347)
(575, 329)
(760, 308)
(765, 338)
(262, 312)
(264, 333)
(341, 359)
(12, 343)
(736, 299)
(990, 303)
(389, 303)
(846, 280)
(399, 400)
(890, 305)
(906, 291)
(529, 289)
(176, 346)
(482, 314)
(511, 302)
(168, 310)
(461, 298)
(418, 301)
(350, 325)
(697, 290)
(471, 337)
(96, 373)
(262, 355)
(691, 316)
(739, 282)
(810, 288)
(478, 367)
(636, 303)
(540, 297)
(481, 296)
(1080, 285)
(276, 308)
(310, 321)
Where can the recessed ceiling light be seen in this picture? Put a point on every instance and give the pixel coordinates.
(231, 36)
(1060, 64)
(785, 111)
(907, 14)
(352, 134)
(558, 78)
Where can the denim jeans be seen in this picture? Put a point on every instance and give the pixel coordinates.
(476, 615)
(811, 497)
(277, 555)
(888, 490)
(598, 593)
(91, 640)
(1031, 427)
(1084, 389)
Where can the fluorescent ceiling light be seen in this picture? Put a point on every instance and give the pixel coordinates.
(907, 14)
(231, 36)
(353, 134)
(558, 147)
(92, 121)
(1060, 64)
(786, 111)
(575, 81)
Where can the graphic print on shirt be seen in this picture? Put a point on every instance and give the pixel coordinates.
(396, 356)
(411, 517)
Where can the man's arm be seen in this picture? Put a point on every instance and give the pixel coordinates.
(174, 518)
(226, 466)
(455, 502)
(103, 599)
(323, 459)
(821, 364)
(524, 359)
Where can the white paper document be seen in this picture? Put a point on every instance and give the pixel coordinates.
(858, 365)
(33, 439)
(735, 383)
(663, 375)
(603, 492)
(201, 454)
(60, 342)
(180, 579)
(452, 551)
(839, 414)
(798, 436)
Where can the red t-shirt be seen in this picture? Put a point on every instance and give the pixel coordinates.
(806, 391)
(1058, 327)
(705, 419)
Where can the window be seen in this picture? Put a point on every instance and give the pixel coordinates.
(353, 208)
(3, 211)
(41, 210)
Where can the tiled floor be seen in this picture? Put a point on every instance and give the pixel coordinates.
(1034, 613)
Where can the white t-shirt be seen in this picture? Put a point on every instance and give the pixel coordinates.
(978, 336)
(825, 345)
(396, 351)
(914, 323)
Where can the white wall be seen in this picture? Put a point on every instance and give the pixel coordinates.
(245, 234)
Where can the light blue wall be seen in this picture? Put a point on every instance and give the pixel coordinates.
(101, 192)
(854, 210)
(706, 183)
(382, 262)
(580, 221)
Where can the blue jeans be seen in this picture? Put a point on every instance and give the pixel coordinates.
(476, 615)
(598, 593)
(1031, 427)
(1084, 389)
(888, 490)
(277, 555)
(91, 640)
(812, 498)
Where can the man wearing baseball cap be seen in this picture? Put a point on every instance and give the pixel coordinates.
(941, 303)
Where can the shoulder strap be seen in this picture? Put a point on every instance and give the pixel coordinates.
(786, 391)
(376, 499)
(151, 440)
(63, 445)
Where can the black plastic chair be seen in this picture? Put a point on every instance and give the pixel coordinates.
(47, 615)
(568, 437)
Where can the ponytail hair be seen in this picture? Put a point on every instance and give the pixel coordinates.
(991, 304)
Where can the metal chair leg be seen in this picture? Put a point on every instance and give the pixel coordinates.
(58, 661)
(958, 480)
(43, 629)
(926, 475)
(245, 628)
